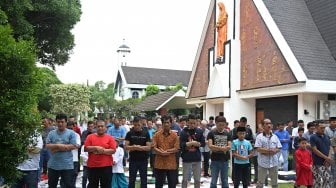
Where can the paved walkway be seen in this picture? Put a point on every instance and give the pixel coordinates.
(206, 182)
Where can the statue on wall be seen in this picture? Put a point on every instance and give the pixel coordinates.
(221, 26)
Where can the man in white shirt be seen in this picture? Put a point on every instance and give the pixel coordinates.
(268, 145)
(30, 166)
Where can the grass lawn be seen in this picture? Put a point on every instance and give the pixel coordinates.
(281, 185)
(286, 185)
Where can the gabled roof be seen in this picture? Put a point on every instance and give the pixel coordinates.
(324, 14)
(168, 99)
(306, 33)
(146, 76)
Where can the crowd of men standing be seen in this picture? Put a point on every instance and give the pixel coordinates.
(106, 146)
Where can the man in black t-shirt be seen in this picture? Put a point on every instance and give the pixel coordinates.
(219, 141)
(138, 144)
(191, 139)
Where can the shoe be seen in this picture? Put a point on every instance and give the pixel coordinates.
(44, 177)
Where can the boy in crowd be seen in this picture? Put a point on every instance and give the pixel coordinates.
(296, 139)
(242, 151)
(304, 162)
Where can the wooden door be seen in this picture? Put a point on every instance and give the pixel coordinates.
(260, 116)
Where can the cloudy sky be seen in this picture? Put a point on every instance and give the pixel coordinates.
(161, 34)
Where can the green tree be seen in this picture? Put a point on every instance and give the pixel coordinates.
(125, 108)
(151, 90)
(177, 87)
(70, 98)
(19, 116)
(102, 97)
(48, 23)
(47, 78)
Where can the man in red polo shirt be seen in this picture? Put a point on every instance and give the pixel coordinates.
(100, 147)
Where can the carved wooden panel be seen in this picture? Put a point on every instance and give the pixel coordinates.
(262, 63)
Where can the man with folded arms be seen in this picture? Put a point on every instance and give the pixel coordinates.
(100, 147)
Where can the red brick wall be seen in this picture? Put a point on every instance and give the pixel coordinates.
(262, 63)
(200, 82)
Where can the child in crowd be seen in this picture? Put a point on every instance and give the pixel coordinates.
(242, 151)
(118, 178)
(296, 139)
(304, 162)
(84, 155)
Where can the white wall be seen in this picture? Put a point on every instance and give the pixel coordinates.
(233, 107)
(209, 110)
(308, 101)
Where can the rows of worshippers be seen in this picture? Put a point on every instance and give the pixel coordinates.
(107, 146)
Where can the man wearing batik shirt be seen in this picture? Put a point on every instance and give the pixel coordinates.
(330, 131)
(322, 157)
(166, 144)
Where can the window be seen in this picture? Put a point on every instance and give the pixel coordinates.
(135, 95)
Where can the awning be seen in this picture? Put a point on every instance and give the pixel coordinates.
(168, 100)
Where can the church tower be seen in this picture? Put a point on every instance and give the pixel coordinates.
(123, 52)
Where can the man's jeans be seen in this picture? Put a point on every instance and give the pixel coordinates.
(74, 178)
(85, 176)
(66, 175)
(134, 167)
(196, 171)
(44, 157)
(28, 180)
(206, 158)
(284, 154)
(222, 168)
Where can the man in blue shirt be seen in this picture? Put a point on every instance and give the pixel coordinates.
(284, 138)
(310, 131)
(322, 158)
(61, 142)
(118, 132)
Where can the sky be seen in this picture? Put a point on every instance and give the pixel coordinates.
(160, 34)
